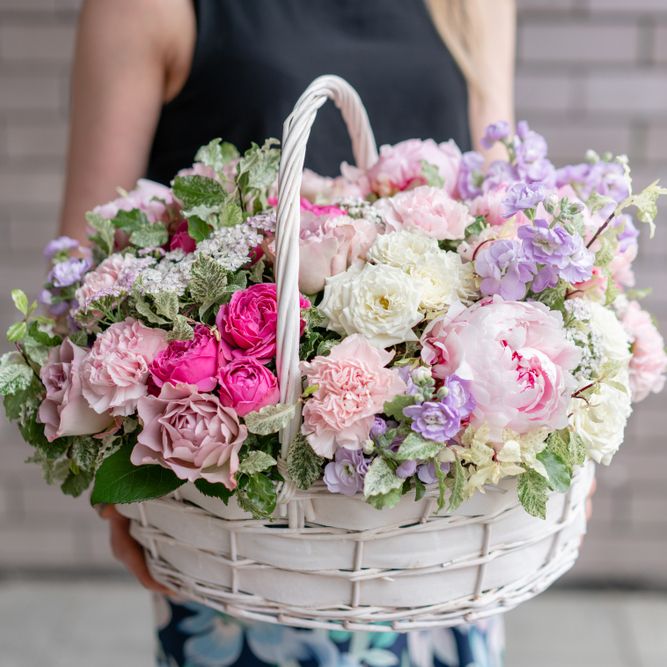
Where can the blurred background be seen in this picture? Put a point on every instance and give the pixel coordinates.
(591, 74)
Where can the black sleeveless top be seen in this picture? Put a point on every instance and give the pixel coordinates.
(254, 58)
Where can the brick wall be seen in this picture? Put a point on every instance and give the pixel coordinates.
(590, 74)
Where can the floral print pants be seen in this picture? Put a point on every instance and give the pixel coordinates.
(192, 635)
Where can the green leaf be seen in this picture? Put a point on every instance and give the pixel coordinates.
(554, 297)
(646, 203)
(214, 490)
(43, 337)
(182, 330)
(145, 309)
(258, 496)
(198, 229)
(415, 447)
(420, 488)
(380, 479)
(231, 215)
(196, 191)
(153, 235)
(104, 230)
(533, 491)
(304, 466)
(432, 175)
(17, 332)
(207, 282)
(216, 154)
(394, 408)
(20, 301)
(457, 495)
(387, 500)
(79, 338)
(256, 274)
(76, 483)
(260, 164)
(558, 470)
(270, 419)
(256, 461)
(14, 377)
(118, 480)
(130, 221)
(166, 304)
(577, 449)
(477, 227)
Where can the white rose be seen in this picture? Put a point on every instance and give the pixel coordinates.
(378, 301)
(601, 421)
(403, 249)
(611, 336)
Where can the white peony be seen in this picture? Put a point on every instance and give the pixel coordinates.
(601, 421)
(403, 249)
(378, 301)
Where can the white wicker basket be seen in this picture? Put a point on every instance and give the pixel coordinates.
(330, 561)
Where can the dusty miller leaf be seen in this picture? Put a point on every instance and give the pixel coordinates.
(15, 375)
(216, 154)
(270, 419)
(182, 330)
(166, 304)
(380, 479)
(104, 232)
(256, 461)
(196, 191)
(304, 466)
(533, 491)
(457, 495)
(208, 281)
(414, 447)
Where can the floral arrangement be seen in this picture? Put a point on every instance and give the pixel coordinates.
(461, 323)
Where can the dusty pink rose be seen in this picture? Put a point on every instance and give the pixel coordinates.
(517, 358)
(150, 197)
(352, 387)
(189, 361)
(182, 239)
(648, 363)
(115, 372)
(191, 434)
(246, 385)
(64, 410)
(247, 324)
(490, 205)
(400, 167)
(428, 210)
(351, 184)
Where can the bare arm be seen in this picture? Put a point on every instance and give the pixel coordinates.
(131, 56)
(494, 99)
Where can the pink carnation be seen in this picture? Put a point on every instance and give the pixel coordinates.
(115, 372)
(150, 197)
(189, 361)
(191, 434)
(400, 167)
(649, 361)
(246, 385)
(247, 324)
(428, 210)
(64, 411)
(516, 356)
(352, 387)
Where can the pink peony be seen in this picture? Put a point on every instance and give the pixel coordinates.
(182, 239)
(64, 410)
(352, 387)
(352, 184)
(648, 363)
(189, 361)
(428, 210)
(517, 358)
(191, 434)
(150, 197)
(247, 324)
(246, 386)
(490, 205)
(115, 372)
(400, 167)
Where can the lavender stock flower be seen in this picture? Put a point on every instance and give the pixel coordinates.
(522, 196)
(495, 132)
(345, 474)
(69, 272)
(61, 244)
(426, 472)
(504, 269)
(470, 177)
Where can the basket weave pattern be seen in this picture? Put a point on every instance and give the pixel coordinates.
(330, 561)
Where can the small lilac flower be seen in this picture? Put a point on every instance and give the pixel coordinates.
(529, 145)
(540, 171)
(426, 472)
(522, 196)
(69, 272)
(345, 474)
(61, 244)
(406, 469)
(504, 269)
(470, 177)
(495, 132)
(405, 374)
(378, 429)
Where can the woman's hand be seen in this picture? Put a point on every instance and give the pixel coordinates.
(128, 551)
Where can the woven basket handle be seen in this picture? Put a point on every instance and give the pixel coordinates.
(296, 131)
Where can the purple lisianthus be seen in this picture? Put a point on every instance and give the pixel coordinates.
(504, 269)
(69, 272)
(470, 177)
(495, 132)
(378, 429)
(522, 196)
(61, 244)
(345, 474)
(426, 472)
(440, 420)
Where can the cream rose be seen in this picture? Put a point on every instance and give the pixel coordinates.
(379, 301)
(613, 339)
(403, 249)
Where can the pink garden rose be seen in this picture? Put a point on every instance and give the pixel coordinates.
(189, 361)
(64, 411)
(352, 387)
(516, 356)
(428, 210)
(150, 197)
(191, 434)
(246, 385)
(400, 167)
(247, 324)
(115, 372)
(648, 363)
(182, 239)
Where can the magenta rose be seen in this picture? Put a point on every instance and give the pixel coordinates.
(247, 324)
(64, 411)
(246, 386)
(189, 361)
(115, 372)
(191, 434)
(182, 239)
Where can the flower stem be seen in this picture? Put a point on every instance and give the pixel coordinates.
(601, 229)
